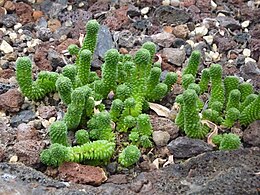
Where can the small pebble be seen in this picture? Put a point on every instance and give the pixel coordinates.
(175, 3)
(201, 30)
(145, 10)
(246, 52)
(248, 59)
(245, 24)
(81, 4)
(213, 5)
(5, 47)
(166, 2)
(69, 8)
(208, 39)
(220, 14)
(190, 42)
(13, 159)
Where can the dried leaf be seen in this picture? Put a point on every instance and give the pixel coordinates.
(81, 38)
(214, 129)
(158, 161)
(160, 110)
(169, 161)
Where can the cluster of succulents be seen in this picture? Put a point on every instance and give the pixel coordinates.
(134, 80)
(230, 101)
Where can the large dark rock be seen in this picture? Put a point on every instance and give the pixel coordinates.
(220, 172)
(252, 134)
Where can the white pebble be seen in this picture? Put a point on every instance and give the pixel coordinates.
(246, 52)
(201, 30)
(20, 31)
(208, 39)
(245, 24)
(69, 8)
(221, 14)
(145, 10)
(3, 30)
(13, 36)
(214, 47)
(33, 43)
(5, 47)
(17, 26)
(166, 2)
(81, 4)
(190, 42)
(213, 5)
(175, 3)
(248, 59)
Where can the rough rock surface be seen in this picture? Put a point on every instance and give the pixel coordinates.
(252, 134)
(11, 100)
(219, 172)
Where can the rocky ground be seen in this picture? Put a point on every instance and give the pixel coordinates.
(226, 32)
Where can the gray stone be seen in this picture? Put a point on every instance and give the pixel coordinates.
(163, 39)
(251, 71)
(133, 11)
(228, 22)
(55, 58)
(125, 39)
(4, 87)
(252, 134)
(184, 147)
(22, 117)
(9, 20)
(161, 138)
(44, 34)
(105, 41)
(175, 56)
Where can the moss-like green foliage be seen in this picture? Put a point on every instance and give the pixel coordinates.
(192, 126)
(230, 83)
(249, 99)
(212, 115)
(193, 64)
(100, 125)
(153, 80)
(195, 87)
(82, 137)
(55, 155)
(232, 116)
(204, 81)
(33, 89)
(170, 79)
(217, 106)
(70, 71)
(123, 91)
(187, 79)
(246, 89)
(144, 126)
(129, 156)
(109, 71)
(142, 59)
(73, 49)
(64, 87)
(179, 120)
(90, 39)
(251, 112)
(116, 109)
(145, 141)
(84, 66)
(58, 133)
(217, 87)
(233, 99)
(226, 141)
(151, 47)
(158, 92)
(134, 137)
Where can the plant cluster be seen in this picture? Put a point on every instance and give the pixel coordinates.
(230, 101)
(133, 80)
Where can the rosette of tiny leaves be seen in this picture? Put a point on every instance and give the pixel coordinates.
(82, 137)
(109, 71)
(46, 81)
(246, 89)
(126, 123)
(142, 59)
(129, 104)
(230, 83)
(193, 64)
(55, 155)
(73, 49)
(251, 112)
(123, 91)
(217, 87)
(187, 79)
(179, 120)
(204, 81)
(212, 115)
(217, 106)
(226, 141)
(24, 79)
(192, 126)
(64, 88)
(93, 77)
(170, 79)
(84, 66)
(233, 99)
(249, 99)
(151, 47)
(116, 109)
(75, 109)
(232, 116)
(70, 71)
(58, 133)
(158, 92)
(134, 137)
(144, 126)
(196, 88)
(129, 156)
(145, 141)
(90, 39)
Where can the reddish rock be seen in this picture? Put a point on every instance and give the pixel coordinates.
(7, 73)
(83, 174)
(181, 31)
(254, 45)
(11, 100)
(204, 5)
(9, 6)
(37, 14)
(47, 112)
(40, 57)
(25, 132)
(123, 50)
(187, 3)
(224, 44)
(117, 19)
(28, 151)
(25, 12)
(117, 179)
(99, 6)
(54, 24)
(64, 45)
